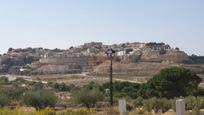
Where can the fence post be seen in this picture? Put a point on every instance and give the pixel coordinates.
(180, 107)
(122, 107)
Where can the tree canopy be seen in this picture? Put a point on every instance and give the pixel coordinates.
(171, 82)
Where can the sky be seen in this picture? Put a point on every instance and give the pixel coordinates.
(65, 23)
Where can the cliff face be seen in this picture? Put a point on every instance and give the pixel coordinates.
(85, 58)
(171, 56)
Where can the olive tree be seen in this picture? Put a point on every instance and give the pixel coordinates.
(87, 96)
(40, 99)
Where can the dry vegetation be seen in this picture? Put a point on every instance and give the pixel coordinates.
(134, 72)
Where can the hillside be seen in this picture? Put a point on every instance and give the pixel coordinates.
(132, 59)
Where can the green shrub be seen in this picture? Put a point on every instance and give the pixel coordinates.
(62, 87)
(194, 102)
(123, 89)
(149, 104)
(138, 102)
(200, 102)
(190, 102)
(13, 93)
(4, 100)
(196, 92)
(40, 99)
(157, 104)
(196, 111)
(4, 80)
(119, 94)
(38, 85)
(87, 97)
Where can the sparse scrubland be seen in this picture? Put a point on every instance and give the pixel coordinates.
(20, 97)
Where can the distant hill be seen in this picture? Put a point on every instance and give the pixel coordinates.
(88, 57)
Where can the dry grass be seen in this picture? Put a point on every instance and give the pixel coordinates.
(76, 79)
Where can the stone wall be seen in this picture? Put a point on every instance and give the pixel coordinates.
(66, 61)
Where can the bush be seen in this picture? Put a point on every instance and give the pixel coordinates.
(190, 102)
(62, 87)
(196, 111)
(13, 93)
(138, 102)
(157, 104)
(40, 99)
(194, 103)
(38, 85)
(123, 89)
(197, 92)
(4, 80)
(87, 96)
(4, 100)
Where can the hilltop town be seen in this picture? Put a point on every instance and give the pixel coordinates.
(87, 57)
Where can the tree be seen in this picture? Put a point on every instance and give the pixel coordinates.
(171, 82)
(87, 96)
(177, 49)
(40, 99)
(10, 49)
